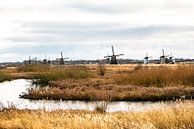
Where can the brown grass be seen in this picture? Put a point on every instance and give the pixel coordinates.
(99, 89)
(4, 76)
(128, 82)
(159, 76)
(177, 117)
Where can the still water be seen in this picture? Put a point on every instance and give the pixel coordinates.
(10, 91)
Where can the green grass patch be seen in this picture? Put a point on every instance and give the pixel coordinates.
(34, 68)
(69, 72)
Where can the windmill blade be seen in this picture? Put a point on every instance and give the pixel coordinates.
(163, 52)
(146, 54)
(107, 56)
(171, 55)
(113, 50)
(119, 55)
(61, 55)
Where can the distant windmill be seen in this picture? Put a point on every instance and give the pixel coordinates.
(29, 61)
(146, 58)
(45, 60)
(107, 58)
(61, 60)
(163, 58)
(113, 57)
(171, 60)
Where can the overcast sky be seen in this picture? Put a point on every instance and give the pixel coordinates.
(85, 29)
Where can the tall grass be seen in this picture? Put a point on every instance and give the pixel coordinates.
(69, 72)
(101, 68)
(33, 68)
(175, 117)
(159, 76)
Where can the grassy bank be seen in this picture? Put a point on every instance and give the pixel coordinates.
(95, 90)
(159, 76)
(179, 117)
(61, 73)
(4, 76)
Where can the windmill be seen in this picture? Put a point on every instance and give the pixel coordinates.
(113, 57)
(29, 61)
(107, 58)
(45, 60)
(163, 58)
(146, 58)
(171, 60)
(61, 60)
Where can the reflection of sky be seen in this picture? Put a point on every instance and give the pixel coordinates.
(86, 29)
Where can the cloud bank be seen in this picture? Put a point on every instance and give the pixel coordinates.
(86, 29)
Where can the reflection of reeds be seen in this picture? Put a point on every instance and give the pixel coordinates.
(10, 106)
(101, 106)
(174, 117)
(75, 72)
(159, 76)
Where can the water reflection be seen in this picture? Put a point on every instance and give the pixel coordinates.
(10, 91)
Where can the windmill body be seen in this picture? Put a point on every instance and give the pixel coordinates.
(164, 58)
(113, 57)
(61, 60)
(171, 59)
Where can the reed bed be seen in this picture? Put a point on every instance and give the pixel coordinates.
(159, 76)
(99, 89)
(180, 116)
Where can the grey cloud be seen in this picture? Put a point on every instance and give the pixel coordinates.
(51, 36)
(112, 8)
(99, 30)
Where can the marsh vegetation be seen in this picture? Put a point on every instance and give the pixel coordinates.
(140, 83)
(161, 76)
(175, 117)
